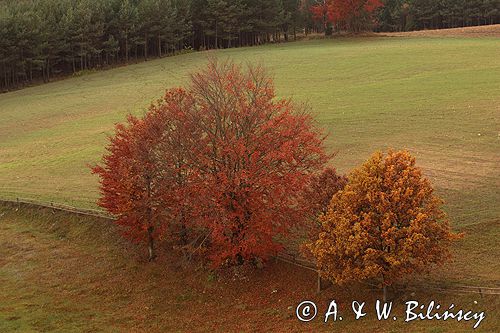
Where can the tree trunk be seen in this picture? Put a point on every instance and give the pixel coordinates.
(183, 233)
(126, 49)
(151, 249)
(81, 60)
(216, 36)
(48, 70)
(6, 85)
(159, 45)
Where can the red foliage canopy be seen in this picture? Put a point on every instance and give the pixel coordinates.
(144, 172)
(316, 196)
(320, 190)
(320, 12)
(347, 12)
(256, 155)
(223, 155)
(128, 178)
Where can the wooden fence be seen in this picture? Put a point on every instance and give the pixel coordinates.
(58, 207)
(290, 258)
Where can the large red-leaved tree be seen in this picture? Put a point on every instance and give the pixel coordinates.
(223, 156)
(144, 172)
(256, 155)
(129, 181)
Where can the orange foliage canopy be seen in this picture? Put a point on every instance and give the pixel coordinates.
(385, 223)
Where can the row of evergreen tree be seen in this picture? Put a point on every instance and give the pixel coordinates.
(404, 15)
(40, 39)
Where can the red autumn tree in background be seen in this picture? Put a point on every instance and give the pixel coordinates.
(257, 154)
(320, 13)
(386, 223)
(316, 196)
(350, 15)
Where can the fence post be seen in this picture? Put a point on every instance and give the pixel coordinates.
(318, 290)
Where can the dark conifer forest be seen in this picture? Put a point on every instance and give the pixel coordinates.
(43, 39)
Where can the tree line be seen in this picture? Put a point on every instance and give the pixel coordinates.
(40, 39)
(405, 15)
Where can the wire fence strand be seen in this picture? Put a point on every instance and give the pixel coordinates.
(290, 258)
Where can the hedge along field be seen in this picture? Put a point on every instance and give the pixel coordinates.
(438, 97)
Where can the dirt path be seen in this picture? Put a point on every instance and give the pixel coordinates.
(480, 31)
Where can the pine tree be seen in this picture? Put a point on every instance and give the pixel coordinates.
(127, 23)
(181, 23)
(221, 21)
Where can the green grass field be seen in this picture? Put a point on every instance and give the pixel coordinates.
(438, 97)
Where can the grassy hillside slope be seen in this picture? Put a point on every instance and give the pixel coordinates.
(438, 97)
(61, 273)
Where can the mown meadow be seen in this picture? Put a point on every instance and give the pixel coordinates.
(437, 97)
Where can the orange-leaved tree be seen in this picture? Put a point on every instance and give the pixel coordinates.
(385, 224)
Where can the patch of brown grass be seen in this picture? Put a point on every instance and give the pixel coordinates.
(60, 273)
(479, 31)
